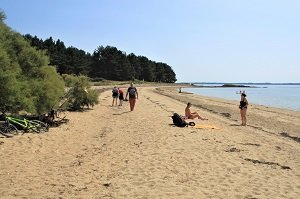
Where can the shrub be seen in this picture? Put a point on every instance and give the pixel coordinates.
(80, 93)
(26, 81)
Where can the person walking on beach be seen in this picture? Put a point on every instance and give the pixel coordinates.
(192, 115)
(133, 96)
(243, 108)
(115, 95)
(121, 96)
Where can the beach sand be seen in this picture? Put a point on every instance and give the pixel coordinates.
(110, 152)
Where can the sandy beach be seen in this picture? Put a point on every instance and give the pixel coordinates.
(110, 152)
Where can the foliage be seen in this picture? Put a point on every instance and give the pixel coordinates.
(2, 16)
(70, 80)
(106, 62)
(80, 93)
(26, 81)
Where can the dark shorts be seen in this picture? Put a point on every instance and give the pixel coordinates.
(121, 97)
(115, 95)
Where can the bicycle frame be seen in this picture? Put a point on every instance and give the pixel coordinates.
(34, 125)
(24, 123)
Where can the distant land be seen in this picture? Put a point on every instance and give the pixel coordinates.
(239, 83)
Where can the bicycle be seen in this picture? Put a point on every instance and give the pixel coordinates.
(27, 125)
(7, 129)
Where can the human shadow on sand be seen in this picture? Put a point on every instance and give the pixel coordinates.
(121, 113)
(235, 125)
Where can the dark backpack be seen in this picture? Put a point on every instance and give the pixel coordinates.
(115, 91)
(178, 121)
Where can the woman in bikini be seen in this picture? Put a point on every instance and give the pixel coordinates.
(192, 115)
(243, 108)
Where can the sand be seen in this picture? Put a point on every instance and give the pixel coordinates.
(110, 152)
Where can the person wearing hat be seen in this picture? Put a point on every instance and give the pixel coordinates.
(243, 108)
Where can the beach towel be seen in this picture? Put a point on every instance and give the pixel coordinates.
(206, 126)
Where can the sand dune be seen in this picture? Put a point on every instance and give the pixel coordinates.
(110, 152)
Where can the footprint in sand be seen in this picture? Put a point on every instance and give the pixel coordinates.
(250, 144)
(233, 149)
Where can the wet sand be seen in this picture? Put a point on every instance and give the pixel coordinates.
(110, 152)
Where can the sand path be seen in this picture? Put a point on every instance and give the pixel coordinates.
(110, 152)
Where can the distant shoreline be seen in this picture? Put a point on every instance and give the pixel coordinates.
(277, 98)
(239, 83)
(226, 86)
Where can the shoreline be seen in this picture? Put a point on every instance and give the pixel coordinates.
(266, 106)
(111, 152)
(228, 109)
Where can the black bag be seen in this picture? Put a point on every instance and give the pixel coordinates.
(178, 121)
(115, 91)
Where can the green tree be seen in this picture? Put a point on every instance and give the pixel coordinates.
(148, 69)
(170, 76)
(2, 16)
(106, 62)
(26, 81)
(135, 64)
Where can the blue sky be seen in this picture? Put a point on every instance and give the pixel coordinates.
(203, 40)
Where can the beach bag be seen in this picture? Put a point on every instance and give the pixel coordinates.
(178, 121)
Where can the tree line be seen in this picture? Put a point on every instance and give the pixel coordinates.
(28, 83)
(105, 63)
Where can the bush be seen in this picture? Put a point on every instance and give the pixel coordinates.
(70, 80)
(26, 81)
(80, 94)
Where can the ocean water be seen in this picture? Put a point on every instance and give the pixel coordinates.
(280, 96)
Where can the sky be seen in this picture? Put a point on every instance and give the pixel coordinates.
(202, 40)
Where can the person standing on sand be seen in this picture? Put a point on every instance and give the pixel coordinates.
(133, 96)
(121, 96)
(115, 95)
(192, 115)
(243, 108)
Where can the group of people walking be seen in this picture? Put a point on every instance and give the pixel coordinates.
(117, 93)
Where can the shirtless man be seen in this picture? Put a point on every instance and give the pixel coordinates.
(192, 115)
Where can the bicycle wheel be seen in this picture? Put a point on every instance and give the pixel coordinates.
(39, 126)
(4, 134)
(8, 129)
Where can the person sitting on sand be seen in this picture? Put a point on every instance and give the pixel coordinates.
(192, 115)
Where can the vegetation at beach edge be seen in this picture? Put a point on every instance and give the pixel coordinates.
(35, 73)
(27, 81)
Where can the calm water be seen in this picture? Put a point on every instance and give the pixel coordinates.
(281, 96)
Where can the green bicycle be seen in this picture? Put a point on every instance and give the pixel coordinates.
(7, 129)
(26, 125)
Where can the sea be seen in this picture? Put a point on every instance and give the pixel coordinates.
(285, 96)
